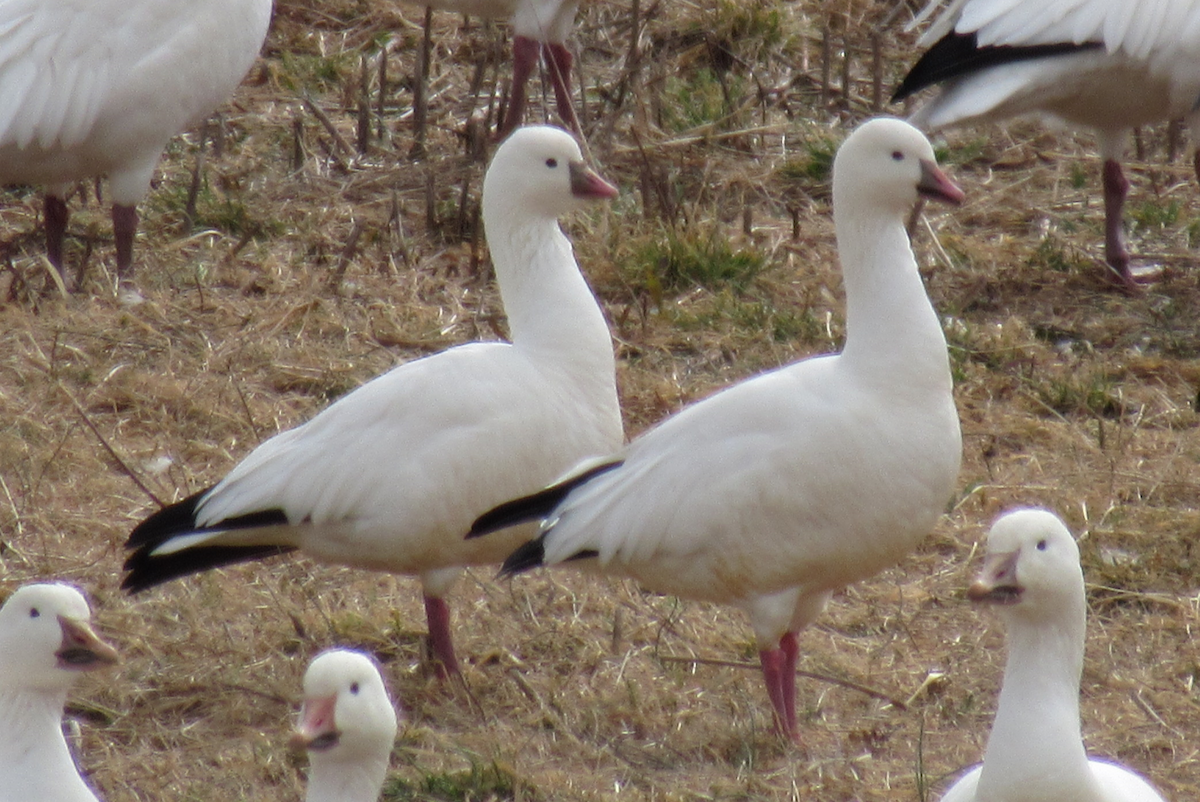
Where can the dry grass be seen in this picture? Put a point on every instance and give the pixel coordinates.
(1071, 396)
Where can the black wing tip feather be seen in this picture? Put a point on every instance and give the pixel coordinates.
(145, 571)
(535, 506)
(528, 555)
(958, 54)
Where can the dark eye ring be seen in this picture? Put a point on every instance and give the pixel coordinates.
(897, 156)
(34, 612)
(552, 163)
(354, 688)
(1041, 545)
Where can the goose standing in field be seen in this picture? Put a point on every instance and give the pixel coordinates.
(390, 476)
(98, 87)
(347, 726)
(776, 492)
(1031, 574)
(46, 641)
(1107, 65)
(539, 31)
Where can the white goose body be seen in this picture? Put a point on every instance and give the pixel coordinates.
(45, 642)
(774, 493)
(1035, 751)
(98, 87)
(347, 725)
(1107, 65)
(391, 476)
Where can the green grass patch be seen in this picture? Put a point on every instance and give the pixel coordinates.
(476, 784)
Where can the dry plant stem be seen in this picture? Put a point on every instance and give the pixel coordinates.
(343, 147)
(421, 87)
(845, 683)
(112, 453)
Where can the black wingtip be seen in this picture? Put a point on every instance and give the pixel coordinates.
(144, 569)
(536, 506)
(958, 54)
(528, 555)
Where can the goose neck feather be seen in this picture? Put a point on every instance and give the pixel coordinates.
(359, 781)
(551, 310)
(35, 762)
(891, 325)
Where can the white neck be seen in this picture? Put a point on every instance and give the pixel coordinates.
(550, 308)
(1036, 741)
(890, 323)
(553, 316)
(347, 781)
(35, 762)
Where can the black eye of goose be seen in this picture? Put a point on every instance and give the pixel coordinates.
(354, 688)
(551, 163)
(1041, 545)
(897, 156)
(34, 612)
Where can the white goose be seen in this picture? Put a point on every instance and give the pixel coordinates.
(1107, 65)
(390, 476)
(774, 493)
(347, 725)
(540, 29)
(1035, 751)
(98, 87)
(46, 641)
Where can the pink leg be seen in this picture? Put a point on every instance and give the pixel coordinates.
(437, 614)
(790, 646)
(125, 223)
(1116, 187)
(525, 59)
(558, 61)
(774, 666)
(57, 214)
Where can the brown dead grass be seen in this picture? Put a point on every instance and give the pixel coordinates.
(581, 687)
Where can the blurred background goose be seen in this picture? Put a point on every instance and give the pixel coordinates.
(1106, 65)
(98, 87)
(539, 35)
(1031, 575)
(778, 491)
(391, 475)
(46, 642)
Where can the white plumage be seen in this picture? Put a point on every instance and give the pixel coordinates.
(778, 491)
(1106, 65)
(347, 725)
(1031, 574)
(46, 640)
(390, 476)
(98, 87)
(540, 29)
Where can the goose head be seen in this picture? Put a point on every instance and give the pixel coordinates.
(888, 165)
(347, 714)
(540, 170)
(1031, 569)
(46, 638)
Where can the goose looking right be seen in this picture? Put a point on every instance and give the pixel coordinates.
(390, 476)
(778, 491)
(347, 726)
(1031, 575)
(46, 642)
